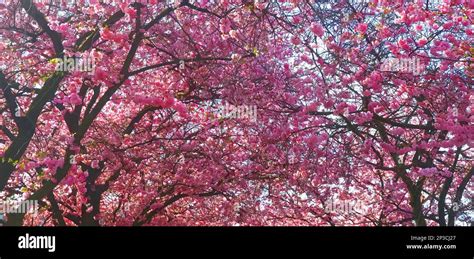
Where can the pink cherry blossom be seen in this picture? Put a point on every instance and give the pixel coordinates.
(317, 29)
(238, 112)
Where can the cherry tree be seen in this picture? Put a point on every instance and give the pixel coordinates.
(367, 103)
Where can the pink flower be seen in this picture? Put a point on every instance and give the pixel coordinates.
(404, 44)
(181, 109)
(470, 4)
(115, 37)
(260, 4)
(422, 41)
(448, 25)
(324, 136)
(296, 19)
(398, 131)
(295, 40)
(363, 117)
(168, 102)
(317, 29)
(445, 173)
(69, 180)
(328, 104)
(306, 59)
(53, 164)
(225, 26)
(312, 107)
(132, 13)
(107, 34)
(233, 34)
(100, 74)
(95, 164)
(340, 108)
(362, 28)
(352, 108)
(312, 141)
(63, 28)
(428, 171)
(74, 99)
